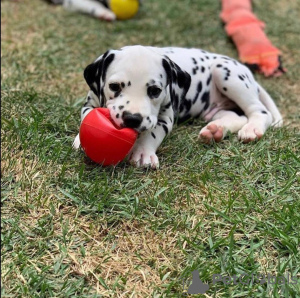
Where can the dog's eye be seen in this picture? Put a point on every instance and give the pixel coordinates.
(115, 87)
(153, 91)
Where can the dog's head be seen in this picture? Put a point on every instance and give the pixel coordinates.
(134, 83)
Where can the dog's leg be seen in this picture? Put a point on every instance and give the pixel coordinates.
(92, 101)
(269, 103)
(144, 150)
(93, 8)
(222, 122)
(237, 83)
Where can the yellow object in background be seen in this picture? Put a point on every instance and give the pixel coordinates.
(124, 9)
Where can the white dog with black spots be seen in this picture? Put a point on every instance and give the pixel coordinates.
(149, 89)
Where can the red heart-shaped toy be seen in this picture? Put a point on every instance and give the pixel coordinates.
(102, 141)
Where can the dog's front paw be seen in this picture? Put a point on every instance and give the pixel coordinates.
(76, 143)
(142, 157)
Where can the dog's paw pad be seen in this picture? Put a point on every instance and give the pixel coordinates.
(250, 133)
(211, 132)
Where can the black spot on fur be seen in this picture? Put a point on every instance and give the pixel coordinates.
(205, 97)
(85, 110)
(165, 129)
(167, 105)
(199, 89)
(129, 83)
(264, 112)
(219, 65)
(224, 88)
(195, 70)
(194, 60)
(175, 98)
(117, 116)
(186, 104)
(122, 85)
(127, 101)
(206, 106)
(121, 107)
(161, 121)
(203, 69)
(153, 135)
(238, 111)
(208, 80)
(241, 77)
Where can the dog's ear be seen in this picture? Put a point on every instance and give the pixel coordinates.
(179, 82)
(95, 74)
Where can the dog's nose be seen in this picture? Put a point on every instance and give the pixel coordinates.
(132, 120)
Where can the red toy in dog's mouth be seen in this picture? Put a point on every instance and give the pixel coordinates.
(104, 142)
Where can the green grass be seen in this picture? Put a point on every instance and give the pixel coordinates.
(71, 228)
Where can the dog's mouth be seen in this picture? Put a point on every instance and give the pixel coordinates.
(119, 123)
(139, 129)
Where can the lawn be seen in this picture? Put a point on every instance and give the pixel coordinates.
(71, 228)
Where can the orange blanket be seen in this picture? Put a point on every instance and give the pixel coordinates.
(246, 31)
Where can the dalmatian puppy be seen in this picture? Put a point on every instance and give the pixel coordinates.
(149, 89)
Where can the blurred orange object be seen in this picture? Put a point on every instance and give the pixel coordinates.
(246, 31)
